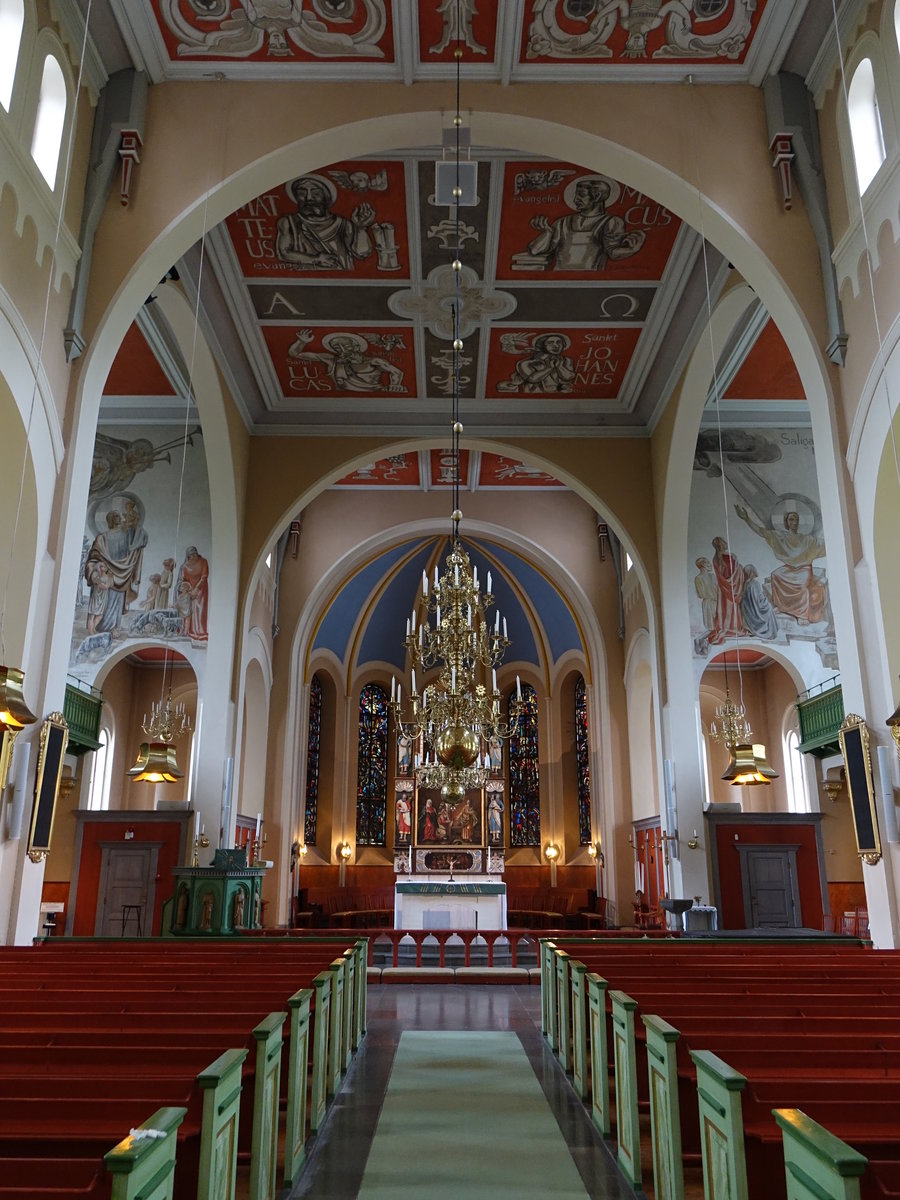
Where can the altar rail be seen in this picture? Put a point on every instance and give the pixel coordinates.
(516, 941)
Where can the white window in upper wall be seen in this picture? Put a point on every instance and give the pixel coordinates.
(866, 133)
(794, 773)
(101, 772)
(12, 18)
(50, 120)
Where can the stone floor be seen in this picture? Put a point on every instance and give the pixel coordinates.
(338, 1155)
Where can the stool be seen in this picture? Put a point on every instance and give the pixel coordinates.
(130, 911)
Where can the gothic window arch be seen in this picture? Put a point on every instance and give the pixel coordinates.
(12, 21)
(866, 130)
(582, 762)
(524, 773)
(313, 749)
(372, 767)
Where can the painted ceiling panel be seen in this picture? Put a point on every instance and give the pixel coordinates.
(398, 471)
(383, 638)
(340, 618)
(552, 38)
(136, 370)
(498, 472)
(217, 30)
(555, 615)
(768, 372)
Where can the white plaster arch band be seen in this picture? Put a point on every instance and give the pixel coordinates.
(410, 131)
(256, 649)
(491, 445)
(189, 653)
(772, 652)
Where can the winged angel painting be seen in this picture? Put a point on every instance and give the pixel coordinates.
(276, 25)
(683, 19)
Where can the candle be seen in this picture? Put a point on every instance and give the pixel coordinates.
(453, 679)
(393, 687)
(414, 680)
(435, 575)
(475, 578)
(258, 824)
(414, 620)
(424, 585)
(407, 626)
(420, 636)
(518, 688)
(497, 622)
(489, 860)
(196, 824)
(456, 576)
(504, 627)
(489, 583)
(469, 616)
(493, 680)
(203, 829)
(409, 868)
(438, 615)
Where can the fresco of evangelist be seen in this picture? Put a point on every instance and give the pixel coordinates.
(757, 553)
(341, 362)
(348, 219)
(541, 362)
(145, 571)
(639, 30)
(562, 222)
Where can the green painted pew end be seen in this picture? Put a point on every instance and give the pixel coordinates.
(628, 1128)
(221, 1087)
(719, 1090)
(267, 1082)
(818, 1166)
(665, 1110)
(143, 1164)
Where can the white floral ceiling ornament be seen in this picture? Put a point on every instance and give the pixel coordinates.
(433, 301)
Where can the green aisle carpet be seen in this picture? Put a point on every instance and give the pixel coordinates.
(464, 1118)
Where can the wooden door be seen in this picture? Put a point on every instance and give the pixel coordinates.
(771, 894)
(648, 845)
(127, 877)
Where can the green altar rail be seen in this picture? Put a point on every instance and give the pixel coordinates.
(818, 1166)
(821, 717)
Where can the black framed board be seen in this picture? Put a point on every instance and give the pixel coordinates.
(51, 754)
(854, 739)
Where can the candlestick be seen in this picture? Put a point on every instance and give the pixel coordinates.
(258, 825)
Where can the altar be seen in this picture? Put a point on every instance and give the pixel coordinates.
(472, 903)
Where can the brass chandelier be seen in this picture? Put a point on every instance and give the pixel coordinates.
(456, 718)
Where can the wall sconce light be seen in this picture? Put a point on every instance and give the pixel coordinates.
(693, 841)
(551, 852)
(833, 787)
(345, 851)
(592, 850)
(303, 849)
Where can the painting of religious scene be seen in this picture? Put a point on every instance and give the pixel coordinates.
(341, 362)
(349, 219)
(145, 568)
(757, 554)
(562, 222)
(441, 822)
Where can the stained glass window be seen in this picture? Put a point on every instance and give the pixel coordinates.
(313, 746)
(524, 785)
(582, 763)
(371, 775)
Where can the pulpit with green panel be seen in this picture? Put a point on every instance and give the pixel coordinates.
(222, 899)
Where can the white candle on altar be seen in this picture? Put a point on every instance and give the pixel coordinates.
(489, 860)
(409, 869)
(258, 824)
(196, 824)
